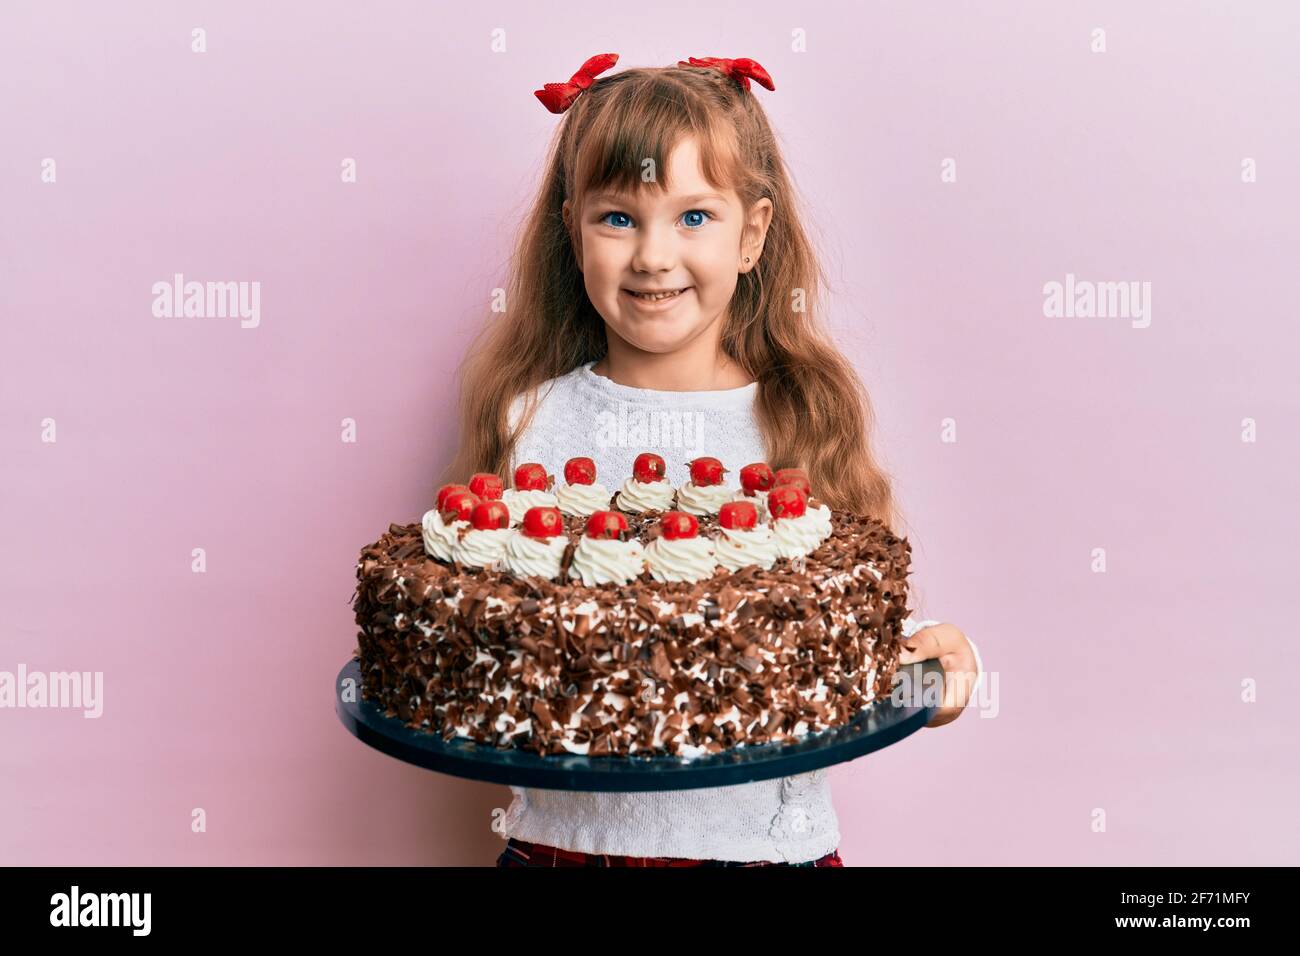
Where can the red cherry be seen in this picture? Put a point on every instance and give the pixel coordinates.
(580, 471)
(446, 490)
(794, 476)
(679, 524)
(490, 514)
(485, 484)
(543, 522)
(459, 506)
(531, 477)
(707, 471)
(606, 524)
(648, 467)
(738, 515)
(787, 501)
(757, 477)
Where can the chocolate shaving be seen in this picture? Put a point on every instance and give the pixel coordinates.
(566, 560)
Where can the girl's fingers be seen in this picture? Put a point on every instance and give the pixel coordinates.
(924, 645)
(949, 646)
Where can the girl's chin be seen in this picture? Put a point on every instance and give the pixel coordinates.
(659, 337)
(658, 344)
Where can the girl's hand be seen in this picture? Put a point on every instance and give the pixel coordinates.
(954, 652)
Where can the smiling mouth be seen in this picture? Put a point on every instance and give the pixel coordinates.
(655, 296)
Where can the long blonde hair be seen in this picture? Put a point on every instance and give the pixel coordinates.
(812, 409)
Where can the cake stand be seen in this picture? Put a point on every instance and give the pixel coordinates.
(879, 725)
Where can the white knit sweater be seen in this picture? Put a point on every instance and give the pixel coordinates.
(787, 819)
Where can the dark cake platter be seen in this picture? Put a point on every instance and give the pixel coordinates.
(882, 723)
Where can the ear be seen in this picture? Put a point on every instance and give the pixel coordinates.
(754, 233)
(575, 235)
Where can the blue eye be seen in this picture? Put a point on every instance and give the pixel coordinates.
(693, 225)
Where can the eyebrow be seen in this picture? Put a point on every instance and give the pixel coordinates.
(699, 197)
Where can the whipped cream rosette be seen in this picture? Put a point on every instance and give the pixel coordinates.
(736, 548)
(679, 553)
(607, 561)
(481, 548)
(518, 502)
(439, 536)
(537, 547)
(532, 490)
(441, 532)
(741, 540)
(796, 537)
(602, 557)
(582, 501)
(645, 495)
(821, 515)
(647, 489)
(484, 544)
(680, 559)
(583, 496)
(703, 499)
(705, 492)
(795, 531)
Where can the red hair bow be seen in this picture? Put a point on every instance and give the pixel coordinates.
(558, 97)
(741, 70)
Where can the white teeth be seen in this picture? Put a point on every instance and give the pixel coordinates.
(657, 297)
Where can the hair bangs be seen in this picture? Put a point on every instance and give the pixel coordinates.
(634, 129)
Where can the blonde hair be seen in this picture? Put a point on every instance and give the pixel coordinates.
(812, 409)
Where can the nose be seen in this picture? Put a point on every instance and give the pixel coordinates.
(656, 249)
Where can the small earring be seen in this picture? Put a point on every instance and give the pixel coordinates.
(746, 258)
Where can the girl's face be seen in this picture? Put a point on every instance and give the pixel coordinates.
(692, 241)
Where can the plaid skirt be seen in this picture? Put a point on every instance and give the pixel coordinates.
(523, 853)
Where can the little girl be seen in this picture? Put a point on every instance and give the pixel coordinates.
(663, 298)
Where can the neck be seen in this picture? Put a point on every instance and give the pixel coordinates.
(701, 366)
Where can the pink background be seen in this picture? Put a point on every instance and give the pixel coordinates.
(1119, 691)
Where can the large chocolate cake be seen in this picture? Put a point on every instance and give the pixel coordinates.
(648, 667)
